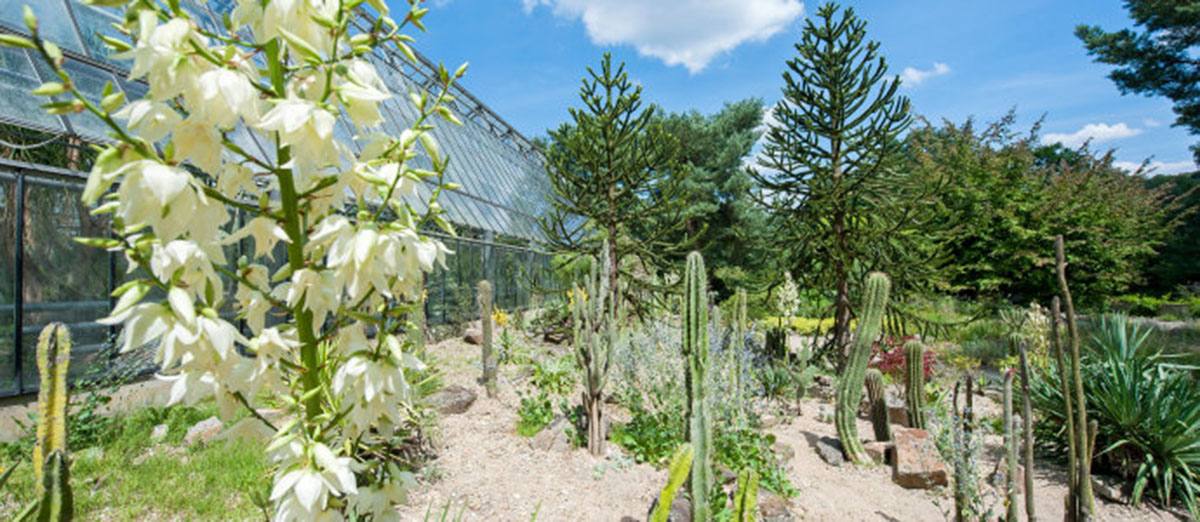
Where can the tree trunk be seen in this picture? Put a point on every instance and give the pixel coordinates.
(612, 268)
(841, 324)
(595, 435)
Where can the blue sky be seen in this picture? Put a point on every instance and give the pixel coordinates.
(959, 59)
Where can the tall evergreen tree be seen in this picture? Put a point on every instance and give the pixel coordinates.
(719, 211)
(610, 173)
(1162, 60)
(827, 171)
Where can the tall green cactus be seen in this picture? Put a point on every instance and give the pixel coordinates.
(1027, 425)
(595, 338)
(51, 466)
(745, 501)
(695, 349)
(737, 347)
(1010, 453)
(681, 463)
(877, 398)
(1083, 503)
(53, 357)
(850, 385)
(488, 357)
(914, 383)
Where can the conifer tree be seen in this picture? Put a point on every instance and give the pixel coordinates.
(610, 171)
(827, 171)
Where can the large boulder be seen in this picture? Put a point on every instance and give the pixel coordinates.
(204, 431)
(879, 451)
(916, 463)
(774, 508)
(830, 450)
(473, 336)
(451, 400)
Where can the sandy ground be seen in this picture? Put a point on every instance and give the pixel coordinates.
(485, 469)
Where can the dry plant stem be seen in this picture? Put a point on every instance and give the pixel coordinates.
(1027, 424)
(1010, 452)
(1064, 379)
(1084, 452)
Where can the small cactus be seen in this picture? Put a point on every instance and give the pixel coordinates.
(488, 356)
(681, 463)
(745, 501)
(695, 349)
(877, 398)
(850, 385)
(914, 383)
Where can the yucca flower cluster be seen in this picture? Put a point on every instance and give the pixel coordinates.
(174, 178)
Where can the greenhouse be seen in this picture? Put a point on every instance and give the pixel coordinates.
(44, 160)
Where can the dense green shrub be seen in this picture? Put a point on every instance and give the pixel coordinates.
(535, 413)
(1147, 407)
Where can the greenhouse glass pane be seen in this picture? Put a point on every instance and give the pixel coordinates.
(16, 103)
(8, 353)
(94, 21)
(54, 23)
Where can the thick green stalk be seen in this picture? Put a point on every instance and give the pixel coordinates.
(850, 385)
(877, 398)
(914, 383)
(294, 228)
(1087, 503)
(488, 357)
(595, 336)
(695, 348)
(745, 500)
(1010, 453)
(1027, 428)
(1068, 410)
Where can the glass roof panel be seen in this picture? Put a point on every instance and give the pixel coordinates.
(89, 80)
(16, 103)
(94, 21)
(54, 23)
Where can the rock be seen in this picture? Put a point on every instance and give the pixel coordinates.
(897, 410)
(249, 429)
(473, 336)
(553, 437)
(915, 461)
(879, 451)
(451, 400)
(769, 421)
(784, 452)
(774, 508)
(681, 509)
(554, 338)
(158, 433)
(203, 431)
(823, 381)
(1108, 488)
(830, 450)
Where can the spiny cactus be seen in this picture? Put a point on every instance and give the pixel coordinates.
(1027, 425)
(695, 349)
(681, 463)
(1082, 504)
(745, 501)
(488, 357)
(775, 345)
(737, 347)
(1010, 452)
(877, 398)
(850, 385)
(595, 337)
(53, 357)
(914, 383)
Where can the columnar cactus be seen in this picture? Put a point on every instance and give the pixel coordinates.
(877, 398)
(53, 357)
(695, 349)
(595, 336)
(914, 383)
(1010, 452)
(1027, 425)
(850, 385)
(488, 357)
(1082, 503)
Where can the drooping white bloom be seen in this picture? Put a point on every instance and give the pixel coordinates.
(199, 142)
(309, 473)
(162, 55)
(151, 120)
(265, 231)
(187, 262)
(380, 500)
(307, 128)
(361, 90)
(320, 294)
(252, 304)
(220, 96)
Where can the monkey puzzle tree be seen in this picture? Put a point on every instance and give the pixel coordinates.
(610, 171)
(827, 168)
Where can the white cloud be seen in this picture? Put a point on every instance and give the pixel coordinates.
(1158, 167)
(1151, 122)
(912, 76)
(1097, 132)
(679, 32)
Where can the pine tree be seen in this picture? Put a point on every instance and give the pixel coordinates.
(827, 169)
(610, 170)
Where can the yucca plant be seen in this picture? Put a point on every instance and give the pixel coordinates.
(1147, 408)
